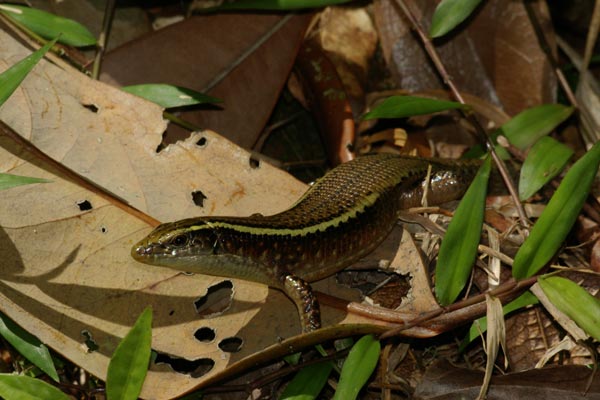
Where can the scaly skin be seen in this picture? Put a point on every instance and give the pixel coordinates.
(340, 219)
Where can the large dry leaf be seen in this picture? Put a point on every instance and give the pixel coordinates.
(67, 275)
(495, 55)
(443, 381)
(202, 53)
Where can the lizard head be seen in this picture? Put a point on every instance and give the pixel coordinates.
(178, 244)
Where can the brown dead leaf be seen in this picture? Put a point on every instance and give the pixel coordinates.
(530, 334)
(445, 381)
(409, 261)
(67, 275)
(495, 57)
(595, 256)
(201, 53)
(347, 34)
(329, 102)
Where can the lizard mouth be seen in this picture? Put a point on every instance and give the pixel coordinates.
(147, 252)
(140, 252)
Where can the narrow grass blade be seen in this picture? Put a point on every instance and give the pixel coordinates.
(530, 125)
(407, 106)
(459, 246)
(19, 387)
(277, 4)
(546, 158)
(448, 14)
(479, 326)
(28, 346)
(169, 96)
(308, 382)
(358, 367)
(8, 181)
(48, 25)
(496, 337)
(558, 217)
(12, 77)
(575, 302)
(129, 364)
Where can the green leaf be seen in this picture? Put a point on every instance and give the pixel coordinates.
(407, 106)
(19, 387)
(169, 96)
(574, 301)
(558, 217)
(129, 364)
(48, 25)
(277, 4)
(530, 125)
(358, 367)
(448, 14)
(12, 77)
(28, 346)
(8, 181)
(546, 158)
(308, 382)
(293, 359)
(459, 245)
(479, 326)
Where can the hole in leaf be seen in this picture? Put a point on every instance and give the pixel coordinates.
(254, 163)
(92, 107)
(163, 143)
(231, 345)
(103, 229)
(171, 313)
(216, 300)
(193, 368)
(198, 198)
(84, 205)
(89, 341)
(201, 142)
(205, 334)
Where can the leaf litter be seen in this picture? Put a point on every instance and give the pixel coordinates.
(67, 273)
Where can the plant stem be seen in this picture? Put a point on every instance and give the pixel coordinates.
(109, 13)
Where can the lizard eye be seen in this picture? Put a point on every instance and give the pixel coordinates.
(179, 240)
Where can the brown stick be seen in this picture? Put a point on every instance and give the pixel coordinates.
(502, 290)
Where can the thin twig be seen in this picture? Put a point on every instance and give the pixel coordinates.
(109, 13)
(266, 133)
(441, 69)
(511, 286)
